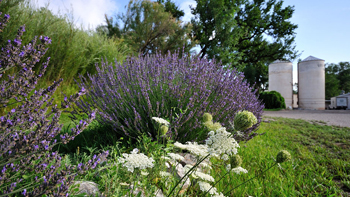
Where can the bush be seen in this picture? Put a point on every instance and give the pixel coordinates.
(181, 89)
(272, 100)
(27, 133)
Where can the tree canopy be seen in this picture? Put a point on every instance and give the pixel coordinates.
(244, 34)
(149, 27)
(337, 78)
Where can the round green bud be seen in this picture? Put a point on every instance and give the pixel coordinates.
(207, 117)
(164, 129)
(244, 120)
(283, 156)
(235, 161)
(212, 126)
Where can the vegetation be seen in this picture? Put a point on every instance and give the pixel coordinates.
(246, 35)
(151, 27)
(73, 51)
(337, 79)
(29, 131)
(41, 157)
(177, 88)
(319, 165)
(272, 100)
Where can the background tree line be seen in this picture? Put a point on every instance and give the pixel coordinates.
(337, 79)
(244, 34)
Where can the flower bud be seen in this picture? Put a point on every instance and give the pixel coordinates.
(212, 126)
(283, 156)
(207, 117)
(235, 161)
(164, 129)
(244, 120)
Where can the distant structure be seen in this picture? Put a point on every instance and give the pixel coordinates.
(281, 80)
(311, 83)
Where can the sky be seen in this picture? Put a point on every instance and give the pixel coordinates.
(323, 27)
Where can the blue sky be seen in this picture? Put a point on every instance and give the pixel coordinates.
(323, 27)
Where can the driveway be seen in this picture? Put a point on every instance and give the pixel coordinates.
(331, 117)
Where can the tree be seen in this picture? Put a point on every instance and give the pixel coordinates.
(151, 26)
(337, 78)
(244, 34)
(172, 8)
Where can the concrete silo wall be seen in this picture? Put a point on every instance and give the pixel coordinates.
(281, 79)
(311, 79)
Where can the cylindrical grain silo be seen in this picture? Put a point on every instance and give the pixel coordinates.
(281, 79)
(311, 83)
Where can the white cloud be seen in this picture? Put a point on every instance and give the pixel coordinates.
(89, 13)
(185, 6)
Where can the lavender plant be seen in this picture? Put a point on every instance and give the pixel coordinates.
(180, 89)
(28, 166)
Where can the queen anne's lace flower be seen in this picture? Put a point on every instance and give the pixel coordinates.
(161, 121)
(218, 195)
(220, 143)
(136, 160)
(239, 170)
(175, 156)
(204, 187)
(195, 148)
(164, 174)
(203, 176)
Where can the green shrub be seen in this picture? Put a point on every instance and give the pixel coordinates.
(272, 100)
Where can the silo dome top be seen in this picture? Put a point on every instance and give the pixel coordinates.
(312, 58)
(281, 61)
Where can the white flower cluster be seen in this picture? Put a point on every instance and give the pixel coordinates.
(164, 174)
(136, 160)
(204, 187)
(195, 148)
(239, 170)
(161, 121)
(221, 143)
(203, 176)
(175, 156)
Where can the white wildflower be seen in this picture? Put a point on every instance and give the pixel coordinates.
(164, 174)
(179, 145)
(161, 121)
(203, 176)
(135, 160)
(225, 157)
(176, 156)
(218, 195)
(195, 148)
(239, 170)
(135, 151)
(204, 186)
(205, 165)
(167, 164)
(144, 173)
(220, 143)
(228, 167)
(165, 158)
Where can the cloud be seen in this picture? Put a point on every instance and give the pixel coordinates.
(185, 6)
(88, 13)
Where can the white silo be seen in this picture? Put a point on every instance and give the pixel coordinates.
(311, 83)
(281, 79)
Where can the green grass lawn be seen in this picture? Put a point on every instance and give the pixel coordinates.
(320, 164)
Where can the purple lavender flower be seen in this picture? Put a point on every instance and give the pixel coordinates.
(180, 89)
